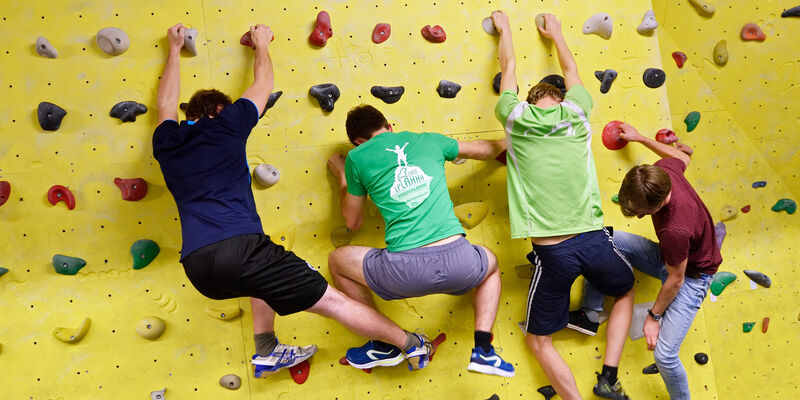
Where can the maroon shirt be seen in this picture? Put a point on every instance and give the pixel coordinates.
(684, 226)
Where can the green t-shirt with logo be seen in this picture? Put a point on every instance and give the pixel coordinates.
(403, 173)
(551, 178)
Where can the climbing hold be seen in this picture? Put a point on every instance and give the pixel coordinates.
(547, 391)
(68, 335)
(721, 53)
(341, 236)
(66, 265)
(381, 33)
(113, 41)
(496, 83)
(60, 193)
(158, 394)
(144, 251)
(748, 326)
(753, 32)
(701, 358)
(190, 41)
(648, 24)
(785, 204)
(284, 238)
(611, 138)
(679, 57)
(5, 192)
(230, 381)
(271, 100)
(666, 136)
(759, 184)
(127, 110)
(599, 24)
(448, 89)
(44, 48)
(746, 209)
(389, 94)
(524, 271)
(501, 158)
(224, 313)
(150, 327)
(247, 40)
(606, 78)
(3, 271)
(555, 80)
(721, 281)
(615, 198)
(132, 189)
(650, 369)
(758, 277)
(691, 120)
(764, 324)
(540, 21)
(434, 34)
(471, 214)
(719, 233)
(494, 397)
(300, 372)
(322, 30)
(727, 213)
(792, 12)
(266, 174)
(326, 94)
(654, 77)
(488, 26)
(704, 8)
(50, 116)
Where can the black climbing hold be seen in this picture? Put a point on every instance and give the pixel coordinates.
(606, 78)
(389, 94)
(547, 391)
(557, 81)
(3, 271)
(273, 98)
(127, 110)
(496, 83)
(50, 116)
(448, 89)
(654, 77)
(650, 369)
(494, 397)
(326, 94)
(183, 106)
(792, 12)
(701, 358)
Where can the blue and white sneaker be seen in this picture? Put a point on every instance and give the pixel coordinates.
(283, 356)
(489, 363)
(374, 354)
(419, 357)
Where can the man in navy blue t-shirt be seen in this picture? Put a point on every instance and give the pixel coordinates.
(225, 253)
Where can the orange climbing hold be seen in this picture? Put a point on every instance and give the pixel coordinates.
(60, 193)
(679, 57)
(611, 138)
(434, 34)
(753, 32)
(765, 325)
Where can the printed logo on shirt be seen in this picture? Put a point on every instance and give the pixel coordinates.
(411, 185)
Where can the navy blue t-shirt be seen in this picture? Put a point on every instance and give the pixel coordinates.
(205, 168)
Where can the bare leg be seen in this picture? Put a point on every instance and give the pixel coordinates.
(487, 296)
(347, 272)
(554, 366)
(263, 316)
(619, 323)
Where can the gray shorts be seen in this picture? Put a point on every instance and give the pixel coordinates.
(453, 268)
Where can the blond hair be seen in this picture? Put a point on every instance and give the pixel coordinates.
(543, 90)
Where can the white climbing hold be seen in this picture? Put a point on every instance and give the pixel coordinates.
(648, 24)
(113, 41)
(230, 381)
(459, 161)
(266, 174)
(190, 41)
(488, 26)
(158, 394)
(44, 48)
(599, 24)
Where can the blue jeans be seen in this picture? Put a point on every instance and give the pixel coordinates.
(645, 255)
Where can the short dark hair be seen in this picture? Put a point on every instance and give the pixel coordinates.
(204, 103)
(363, 121)
(644, 190)
(542, 90)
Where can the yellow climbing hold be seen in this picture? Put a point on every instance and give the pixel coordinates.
(524, 271)
(150, 327)
(68, 335)
(727, 213)
(224, 313)
(341, 236)
(471, 214)
(283, 237)
(721, 53)
(704, 8)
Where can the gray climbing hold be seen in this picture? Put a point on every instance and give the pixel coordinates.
(273, 98)
(389, 94)
(539, 20)
(158, 394)
(648, 24)
(557, 81)
(758, 277)
(600, 25)
(326, 94)
(50, 116)
(127, 110)
(547, 391)
(654, 77)
(266, 174)
(230, 381)
(447, 89)
(44, 48)
(721, 53)
(190, 41)
(792, 12)
(488, 26)
(496, 83)
(650, 369)
(636, 330)
(113, 41)
(606, 78)
(3, 271)
(719, 233)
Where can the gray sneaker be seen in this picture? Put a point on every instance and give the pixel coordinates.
(283, 356)
(419, 357)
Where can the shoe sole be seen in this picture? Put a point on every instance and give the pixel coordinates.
(267, 371)
(489, 370)
(582, 330)
(417, 362)
(389, 362)
(613, 396)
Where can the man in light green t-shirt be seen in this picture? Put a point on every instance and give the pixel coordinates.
(553, 199)
(426, 253)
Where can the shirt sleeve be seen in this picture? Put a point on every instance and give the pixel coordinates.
(672, 163)
(448, 145)
(354, 184)
(674, 245)
(505, 105)
(161, 133)
(242, 116)
(580, 96)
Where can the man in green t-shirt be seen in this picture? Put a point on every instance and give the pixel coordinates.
(426, 253)
(554, 199)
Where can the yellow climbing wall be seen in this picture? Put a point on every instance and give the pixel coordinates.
(91, 149)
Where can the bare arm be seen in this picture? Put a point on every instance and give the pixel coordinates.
(508, 61)
(263, 82)
(352, 206)
(481, 149)
(669, 289)
(630, 134)
(552, 30)
(169, 89)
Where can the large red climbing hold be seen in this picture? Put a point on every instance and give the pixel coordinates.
(132, 189)
(666, 136)
(434, 34)
(247, 40)
(322, 30)
(5, 192)
(752, 32)
(60, 193)
(679, 57)
(300, 372)
(381, 33)
(611, 138)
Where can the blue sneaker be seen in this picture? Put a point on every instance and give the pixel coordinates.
(419, 357)
(283, 356)
(489, 363)
(374, 354)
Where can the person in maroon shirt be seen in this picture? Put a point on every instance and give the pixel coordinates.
(685, 259)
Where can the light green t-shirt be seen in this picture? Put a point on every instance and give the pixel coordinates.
(552, 181)
(403, 173)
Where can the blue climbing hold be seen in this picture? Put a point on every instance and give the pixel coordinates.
(759, 184)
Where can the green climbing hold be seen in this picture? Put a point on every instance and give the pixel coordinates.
(692, 120)
(748, 326)
(615, 198)
(721, 281)
(787, 205)
(66, 265)
(143, 252)
(3, 271)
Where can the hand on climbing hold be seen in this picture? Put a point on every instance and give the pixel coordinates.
(261, 35)
(175, 36)
(651, 329)
(629, 133)
(500, 20)
(684, 148)
(552, 27)
(336, 166)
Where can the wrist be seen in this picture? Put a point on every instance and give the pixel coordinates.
(175, 49)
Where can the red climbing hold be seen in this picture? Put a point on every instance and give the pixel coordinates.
(322, 30)
(679, 57)
(60, 193)
(300, 372)
(611, 138)
(666, 136)
(247, 40)
(381, 33)
(5, 192)
(434, 34)
(435, 344)
(746, 209)
(502, 157)
(132, 189)
(343, 361)
(752, 31)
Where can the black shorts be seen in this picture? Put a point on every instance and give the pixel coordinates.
(591, 254)
(252, 266)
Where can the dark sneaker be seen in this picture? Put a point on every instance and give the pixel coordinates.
(374, 354)
(581, 323)
(609, 391)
